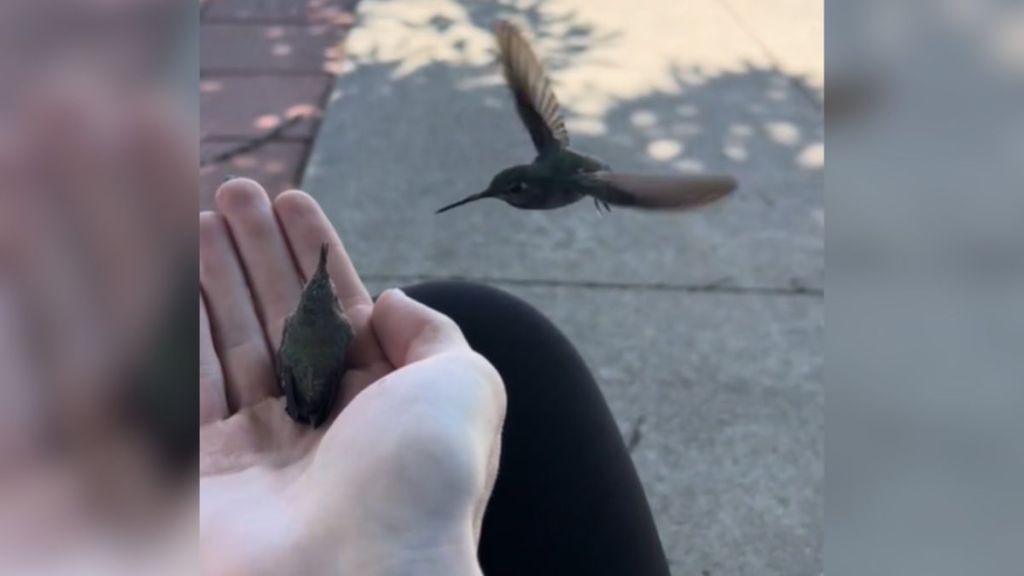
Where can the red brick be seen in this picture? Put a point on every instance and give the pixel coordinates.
(316, 11)
(245, 47)
(275, 165)
(251, 105)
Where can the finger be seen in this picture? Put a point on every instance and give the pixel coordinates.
(306, 227)
(237, 335)
(12, 172)
(56, 284)
(163, 152)
(21, 417)
(409, 331)
(85, 141)
(213, 404)
(268, 264)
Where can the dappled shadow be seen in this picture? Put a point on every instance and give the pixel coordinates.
(460, 34)
(424, 118)
(752, 123)
(565, 36)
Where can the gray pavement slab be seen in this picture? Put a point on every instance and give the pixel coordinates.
(391, 152)
(721, 366)
(721, 397)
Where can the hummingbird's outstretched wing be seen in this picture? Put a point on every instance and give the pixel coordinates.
(535, 100)
(658, 192)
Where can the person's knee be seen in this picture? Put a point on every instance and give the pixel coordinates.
(471, 304)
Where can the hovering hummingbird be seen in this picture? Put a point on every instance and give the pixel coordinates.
(559, 176)
(311, 360)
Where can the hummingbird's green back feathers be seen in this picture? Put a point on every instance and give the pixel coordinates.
(311, 359)
(535, 99)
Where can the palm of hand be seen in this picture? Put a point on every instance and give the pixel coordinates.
(403, 472)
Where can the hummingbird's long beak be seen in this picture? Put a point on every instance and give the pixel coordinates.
(467, 200)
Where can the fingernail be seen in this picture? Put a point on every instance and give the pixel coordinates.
(387, 292)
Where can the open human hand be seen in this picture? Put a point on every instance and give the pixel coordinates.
(398, 482)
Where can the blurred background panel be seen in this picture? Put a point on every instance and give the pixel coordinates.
(138, 39)
(926, 287)
(98, 141)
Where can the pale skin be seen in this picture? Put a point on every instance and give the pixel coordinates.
(398, 482)
(98, 192)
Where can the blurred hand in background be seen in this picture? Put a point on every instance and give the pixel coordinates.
(97, 198)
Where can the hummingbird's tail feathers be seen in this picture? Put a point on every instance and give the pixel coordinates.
(660, 192)
(320, 275)
(466, 200)
(322, 264)
(321, 267)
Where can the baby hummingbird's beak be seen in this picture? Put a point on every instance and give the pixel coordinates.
(472, 198)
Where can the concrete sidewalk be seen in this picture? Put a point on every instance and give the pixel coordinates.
(705, 329)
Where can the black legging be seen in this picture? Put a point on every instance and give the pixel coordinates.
(567, 499)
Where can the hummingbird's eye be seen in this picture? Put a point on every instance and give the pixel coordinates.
(516, 187)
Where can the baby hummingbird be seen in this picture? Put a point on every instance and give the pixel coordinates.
(311, 360)
(559, 176)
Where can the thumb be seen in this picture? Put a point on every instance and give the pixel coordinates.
(409, 331)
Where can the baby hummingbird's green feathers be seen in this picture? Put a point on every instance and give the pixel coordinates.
(311, 360)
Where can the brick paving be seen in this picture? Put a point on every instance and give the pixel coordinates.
(263, 62)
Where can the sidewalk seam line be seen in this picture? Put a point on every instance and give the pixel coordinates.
(714, 287)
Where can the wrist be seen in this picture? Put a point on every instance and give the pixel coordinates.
(455, 557)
